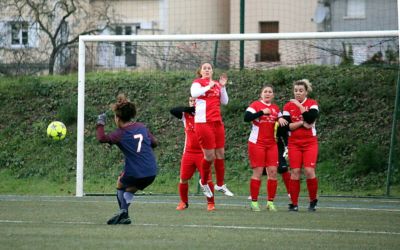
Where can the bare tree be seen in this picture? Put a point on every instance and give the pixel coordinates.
(61, 22)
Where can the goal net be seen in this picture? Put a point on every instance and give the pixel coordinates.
(156, 72)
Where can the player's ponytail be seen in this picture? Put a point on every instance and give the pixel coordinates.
(123, 108)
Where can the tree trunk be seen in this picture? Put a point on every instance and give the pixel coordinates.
(52, 61)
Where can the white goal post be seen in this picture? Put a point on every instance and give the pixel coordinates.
(194, 37)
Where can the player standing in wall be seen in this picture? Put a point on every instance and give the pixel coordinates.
(209, 127)
(192, 156)
(301, 113)
(136, 143)
(262, 146)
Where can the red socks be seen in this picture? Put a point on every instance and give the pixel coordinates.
(271, 189)
(206, 169)
(211, 200)
(312, 186)
(219, 165)
(294, 188)
(254, 189)
(286, 180)
(183, 191)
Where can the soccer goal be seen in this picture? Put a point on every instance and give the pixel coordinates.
(235, 53)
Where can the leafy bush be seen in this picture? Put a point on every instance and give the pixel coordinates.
(354, 127)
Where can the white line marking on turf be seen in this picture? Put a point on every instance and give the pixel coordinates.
(289, 229)
(239, 204)
(215, 227)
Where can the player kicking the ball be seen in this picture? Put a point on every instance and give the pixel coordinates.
(137, 143)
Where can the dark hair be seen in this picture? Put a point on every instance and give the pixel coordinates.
(123, 108)
(267, 85)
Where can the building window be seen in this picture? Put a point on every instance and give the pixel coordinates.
(19, 33)
(355, 9)
(118, 45)
(126, 50)
(269, 49)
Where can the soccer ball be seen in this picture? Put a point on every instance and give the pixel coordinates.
(56, 130)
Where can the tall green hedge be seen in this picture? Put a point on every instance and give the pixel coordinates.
(356, 105)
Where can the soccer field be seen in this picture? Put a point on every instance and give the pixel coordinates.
(38, 222)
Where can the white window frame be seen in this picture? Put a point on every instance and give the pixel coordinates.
(23, 28)
(30, 29)
(355, 9)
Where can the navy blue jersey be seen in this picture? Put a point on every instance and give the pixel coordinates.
(136, 142)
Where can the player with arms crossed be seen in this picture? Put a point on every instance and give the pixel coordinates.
(301, 113)
(137, 143)
(262, 146)
(209, 127)
(192, 156)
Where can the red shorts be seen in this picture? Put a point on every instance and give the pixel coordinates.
(189, 163)
(303, 153)
(211, 134)
(263, 155)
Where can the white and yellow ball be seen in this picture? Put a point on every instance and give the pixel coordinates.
(57, 131)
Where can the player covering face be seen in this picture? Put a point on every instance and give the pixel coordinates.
(262, 146)
(301, 113)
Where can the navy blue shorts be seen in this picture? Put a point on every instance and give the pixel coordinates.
(139, 183)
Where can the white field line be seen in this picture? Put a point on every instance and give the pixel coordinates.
(138, 200)
(284, 229)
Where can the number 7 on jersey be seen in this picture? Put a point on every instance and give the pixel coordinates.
(140, 137)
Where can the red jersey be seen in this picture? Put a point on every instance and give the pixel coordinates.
(191, 141)
(208, 105)
(290, 109)
(263, 128)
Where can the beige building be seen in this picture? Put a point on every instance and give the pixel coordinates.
(272, 16)
(137, 17)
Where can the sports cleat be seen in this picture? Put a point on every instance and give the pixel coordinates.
(121, 217)
(293, 208)
(125, 221)
(210, 207)
(182, 205)
(254, 206)
(313, 206)
(223, 189)
(271, 206)
(206, 190)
